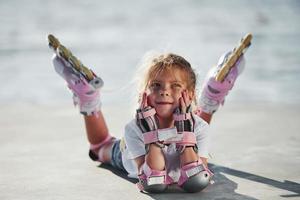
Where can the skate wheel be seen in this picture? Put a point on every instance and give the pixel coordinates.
(64, 52)
(97, 82)
(53, 41)
(235, 55)
(75, 62)
(87, 72)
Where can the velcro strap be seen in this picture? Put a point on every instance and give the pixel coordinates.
(148, 113)
(194, 171)
(187, 138)
(153, 180)
(181, 117)
(160, 135)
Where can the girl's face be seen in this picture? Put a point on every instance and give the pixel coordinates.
(165, 90)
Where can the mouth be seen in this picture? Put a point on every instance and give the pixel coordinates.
(163, 103)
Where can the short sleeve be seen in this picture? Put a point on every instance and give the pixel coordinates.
(135, 146)
(202, 136)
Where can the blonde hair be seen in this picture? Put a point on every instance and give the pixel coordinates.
(153, 64)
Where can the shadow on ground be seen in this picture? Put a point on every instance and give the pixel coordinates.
(223, 188)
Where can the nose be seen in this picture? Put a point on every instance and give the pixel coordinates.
(164, 91)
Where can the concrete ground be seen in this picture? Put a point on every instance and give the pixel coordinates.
(43, 155)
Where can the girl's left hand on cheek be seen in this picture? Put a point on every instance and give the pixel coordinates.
(184, 102)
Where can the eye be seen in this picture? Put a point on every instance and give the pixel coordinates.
(176, 85)
(154, 85)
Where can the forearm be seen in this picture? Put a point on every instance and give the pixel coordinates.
(139, 162)
(205, 161)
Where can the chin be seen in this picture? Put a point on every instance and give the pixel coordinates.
(164, 111)
(164, 114)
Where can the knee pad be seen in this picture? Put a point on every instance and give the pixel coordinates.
(96, 151)
(153, 181)
(194, 177)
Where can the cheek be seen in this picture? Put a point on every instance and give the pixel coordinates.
(177, 95)
(150, 99)
(176, 100)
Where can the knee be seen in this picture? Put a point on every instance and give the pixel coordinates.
(93, 155)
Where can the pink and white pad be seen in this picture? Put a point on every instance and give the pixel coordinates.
(96, 149)
(188, 138)
(194, 177)
(153, 181)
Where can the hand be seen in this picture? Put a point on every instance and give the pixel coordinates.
(146, 116)
(185, 103)
(183, 114)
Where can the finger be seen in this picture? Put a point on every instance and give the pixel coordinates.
(148, 101)
(184, 97)
(142, 105)
(187, 99)
(182, 105)
(145, 104)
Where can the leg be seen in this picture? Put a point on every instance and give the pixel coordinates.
(214, 92)
(86, 94)
(99, 137)
(205, 116)
(96, 128)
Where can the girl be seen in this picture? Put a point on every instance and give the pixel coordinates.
(167, 142)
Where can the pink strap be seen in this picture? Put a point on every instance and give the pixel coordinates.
(181, 117)
(148, 174)
(143, 115)
(150, 137)
(96, 146)
(188, 138)
(167, 134)
(189, 170)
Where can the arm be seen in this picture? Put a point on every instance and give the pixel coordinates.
(139, 161)
(205, 161)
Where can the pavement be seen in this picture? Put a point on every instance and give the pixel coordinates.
(43, 155)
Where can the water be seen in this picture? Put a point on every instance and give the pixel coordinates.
(112, 36)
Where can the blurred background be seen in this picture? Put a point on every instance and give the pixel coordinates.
(112, 36)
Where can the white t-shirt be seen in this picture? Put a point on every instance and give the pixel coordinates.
(135, 147)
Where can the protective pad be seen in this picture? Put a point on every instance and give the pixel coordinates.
(194, 177)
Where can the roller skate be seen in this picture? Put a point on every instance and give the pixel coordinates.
(222, 77)
(83, 82)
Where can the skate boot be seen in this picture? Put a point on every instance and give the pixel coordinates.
(222, 77)
(82, 81)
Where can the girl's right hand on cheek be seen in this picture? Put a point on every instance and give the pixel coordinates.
(146, 115)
